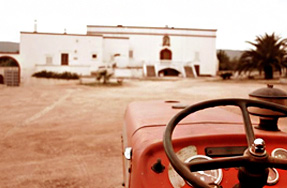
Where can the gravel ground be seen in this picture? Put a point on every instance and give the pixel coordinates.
(66, 135)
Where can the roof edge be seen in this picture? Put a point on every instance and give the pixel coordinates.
(64, 34)
(146, 27)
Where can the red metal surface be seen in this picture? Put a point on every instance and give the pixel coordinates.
(143, 131)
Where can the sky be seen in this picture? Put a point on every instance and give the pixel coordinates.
(236, 21)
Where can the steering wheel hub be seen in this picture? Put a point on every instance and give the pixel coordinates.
(258, 147)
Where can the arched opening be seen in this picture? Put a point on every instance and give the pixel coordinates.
(165, 54)
(7, 61)
(168, 72)
(10, 71)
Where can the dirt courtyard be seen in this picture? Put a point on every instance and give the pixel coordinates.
(67, 135)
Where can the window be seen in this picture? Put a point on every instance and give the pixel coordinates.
(166, 40)
(64, 59)
(196, 57)
(165, 54)
(49, 60)
(94, 56)
(131, 54)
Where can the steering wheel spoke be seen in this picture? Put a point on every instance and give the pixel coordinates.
(277, 163)
(247, 124)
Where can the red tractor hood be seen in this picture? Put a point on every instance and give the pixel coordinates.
(140, 115)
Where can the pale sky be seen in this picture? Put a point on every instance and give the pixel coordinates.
(236, 21)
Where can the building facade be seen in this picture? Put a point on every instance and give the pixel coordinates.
(167, 51)
(132, 51)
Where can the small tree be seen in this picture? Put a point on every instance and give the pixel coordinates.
(104, 74)
(226, 66)
(224, 60)
(268, 56)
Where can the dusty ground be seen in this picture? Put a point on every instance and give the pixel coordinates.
(68, 135)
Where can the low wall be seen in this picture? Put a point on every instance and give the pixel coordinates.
(128, 72)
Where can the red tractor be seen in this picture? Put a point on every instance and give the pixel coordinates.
(167, 144)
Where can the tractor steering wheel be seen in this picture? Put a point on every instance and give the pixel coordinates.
(253, 171)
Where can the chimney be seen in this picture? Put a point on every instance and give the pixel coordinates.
(35, 26)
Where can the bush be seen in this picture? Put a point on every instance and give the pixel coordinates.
(226, 75)
(49, 74)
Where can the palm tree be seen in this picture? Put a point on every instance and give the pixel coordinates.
(268, 56)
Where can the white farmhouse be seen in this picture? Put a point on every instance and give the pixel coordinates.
(132, 51)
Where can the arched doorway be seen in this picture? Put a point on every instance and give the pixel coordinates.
(168, 72)
(165, 54)
(10, 71)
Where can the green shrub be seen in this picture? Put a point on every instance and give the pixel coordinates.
(49, 74)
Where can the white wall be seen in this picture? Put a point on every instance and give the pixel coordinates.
(185, 50)
(35, 48)
(145, 48)
(115, 45)
(201, 51)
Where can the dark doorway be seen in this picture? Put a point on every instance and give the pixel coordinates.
(165, 54)
(1, 79)
(168, 72)
(197, 69)
(64, 59)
